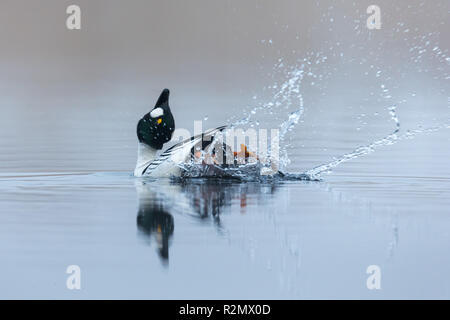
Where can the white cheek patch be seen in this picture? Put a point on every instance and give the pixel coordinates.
(158, 112)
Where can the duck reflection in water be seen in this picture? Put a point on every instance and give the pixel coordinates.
(199, 199)
(208, 199)
(154, 221)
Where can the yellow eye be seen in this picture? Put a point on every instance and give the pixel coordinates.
(159, 121)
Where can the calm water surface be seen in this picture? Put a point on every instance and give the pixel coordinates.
(137, 238)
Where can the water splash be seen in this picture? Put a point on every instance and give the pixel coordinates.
(252, 171)
(286, 95)
(360, 151)
(390, 139)
(285, 98)
(286, 127)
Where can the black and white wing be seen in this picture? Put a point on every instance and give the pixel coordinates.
(166, 163)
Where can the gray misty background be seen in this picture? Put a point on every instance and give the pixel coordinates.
(70, 101)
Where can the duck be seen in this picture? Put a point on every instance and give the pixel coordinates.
(212, 156)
